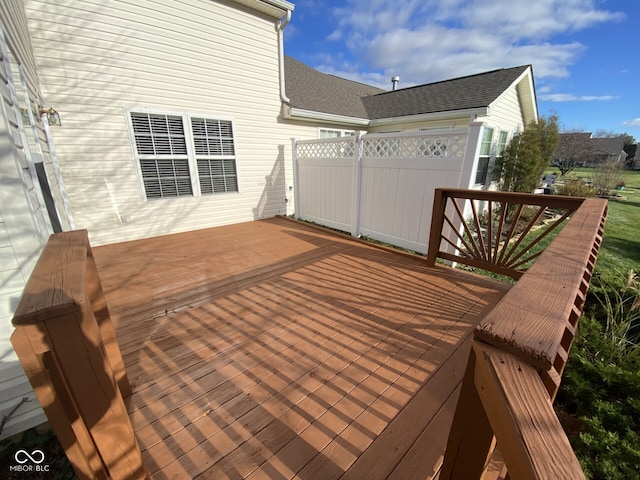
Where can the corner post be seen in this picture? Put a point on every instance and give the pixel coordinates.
(471, 439)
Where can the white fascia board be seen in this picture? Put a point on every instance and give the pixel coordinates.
(451, 114)
(292, 113)
(525, 87)
(273, 8)
(281, 4)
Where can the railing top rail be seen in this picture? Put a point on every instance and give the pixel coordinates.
(552, 201)
(57, 283)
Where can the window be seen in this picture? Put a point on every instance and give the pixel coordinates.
(500, 148)
(437, 127)
(215, 155)
(171, 157)
(485, 155)
(334, 133)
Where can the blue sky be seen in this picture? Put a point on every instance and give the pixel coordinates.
(584, 52)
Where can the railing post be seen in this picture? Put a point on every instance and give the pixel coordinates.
(100, 309)
(437, 222)
(77, 374)
(471, 439)
(530, 436)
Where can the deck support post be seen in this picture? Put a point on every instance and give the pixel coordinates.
(471, 439)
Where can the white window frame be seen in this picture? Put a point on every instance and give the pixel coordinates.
(191, 151)
(500, 147)
(447, 126)
(341, 132)
(482, 156)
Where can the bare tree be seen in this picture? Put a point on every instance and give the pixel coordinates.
(574, 148)
(607, 176)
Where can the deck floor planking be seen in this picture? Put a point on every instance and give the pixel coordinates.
(273, 349)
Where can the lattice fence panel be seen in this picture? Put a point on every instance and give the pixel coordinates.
(339, 148)
(419, 146)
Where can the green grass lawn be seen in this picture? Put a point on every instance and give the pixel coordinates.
(620, 251)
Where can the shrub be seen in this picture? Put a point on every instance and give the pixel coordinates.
(575, 188)
(599, 401)
(606, 176)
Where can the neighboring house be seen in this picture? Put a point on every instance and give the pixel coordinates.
(503, 100)
(581, 149)
(606, 150)
(178, 116)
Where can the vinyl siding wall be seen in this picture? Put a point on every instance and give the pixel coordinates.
(97, 59)
(506, 113)
(23, 223)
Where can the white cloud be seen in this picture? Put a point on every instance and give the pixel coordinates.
(569, 97)
(430, 40)
(632, 123)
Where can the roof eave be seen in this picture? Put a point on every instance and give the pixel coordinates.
(292, 113)
(425, 117)
(526, 89)
(273, 8)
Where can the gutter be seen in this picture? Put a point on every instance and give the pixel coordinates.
(283, 4)
(283, 22)
(292, 113)
(467, 112)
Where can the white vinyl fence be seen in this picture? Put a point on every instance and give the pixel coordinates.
(382, 185)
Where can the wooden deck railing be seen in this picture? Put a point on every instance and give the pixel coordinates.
(66, 342)
(495, 231)
(521, 347)
(67, 346)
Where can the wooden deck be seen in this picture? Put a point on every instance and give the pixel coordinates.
(274, 349)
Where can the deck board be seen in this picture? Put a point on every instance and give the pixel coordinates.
(273, 349)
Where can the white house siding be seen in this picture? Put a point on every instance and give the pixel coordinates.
(23, 223)
(506, 113)
(96, 59)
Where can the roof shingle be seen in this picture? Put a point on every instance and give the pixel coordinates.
(310, 89)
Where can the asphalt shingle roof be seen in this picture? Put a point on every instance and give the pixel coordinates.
(613, 145)
(473, 91)
(310, 89)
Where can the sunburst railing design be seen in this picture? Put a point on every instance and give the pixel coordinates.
(496, 231)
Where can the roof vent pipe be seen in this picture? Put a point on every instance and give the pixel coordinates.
(394, 82)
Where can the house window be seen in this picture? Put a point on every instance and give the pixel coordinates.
(180, 158)
(215, 155)
(485, 155)
(162, 152)
(334, 133)
(437, 127)
(500, 148)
